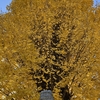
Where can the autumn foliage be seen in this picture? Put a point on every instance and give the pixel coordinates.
(52, 45)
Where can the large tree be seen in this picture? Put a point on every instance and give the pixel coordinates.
(50, 45)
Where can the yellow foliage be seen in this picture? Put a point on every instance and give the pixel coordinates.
(53, 45)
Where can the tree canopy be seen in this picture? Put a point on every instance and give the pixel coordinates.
(50, 45)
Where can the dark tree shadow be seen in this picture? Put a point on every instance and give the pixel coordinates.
(66, 95)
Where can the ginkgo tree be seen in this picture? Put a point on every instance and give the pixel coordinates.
(50, 45)
(14, 65)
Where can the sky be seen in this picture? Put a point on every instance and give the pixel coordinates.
(4, 3)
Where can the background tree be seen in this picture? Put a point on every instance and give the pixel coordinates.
(16, 59)
(50, 45)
